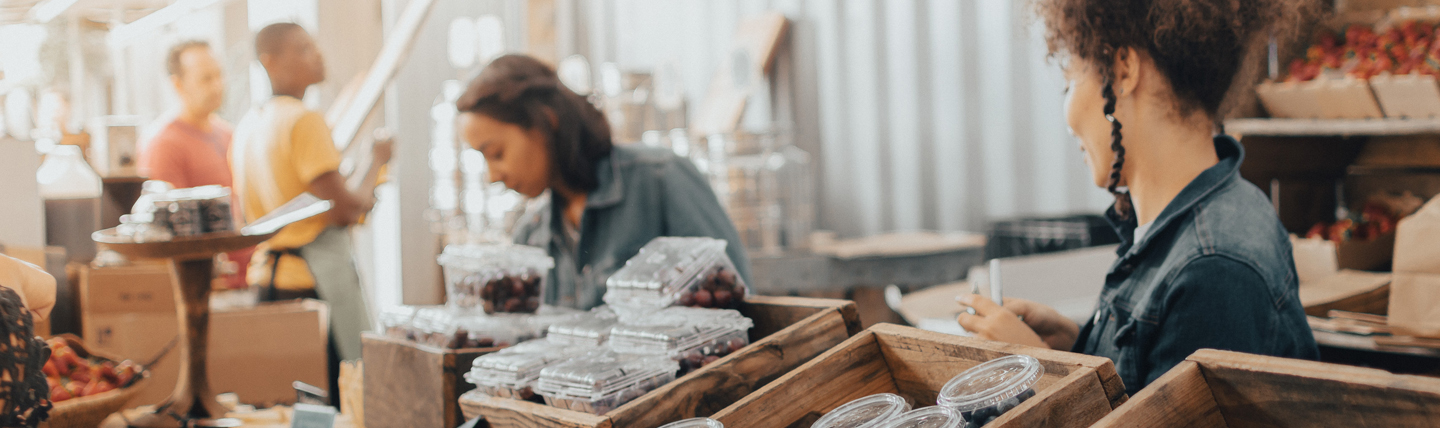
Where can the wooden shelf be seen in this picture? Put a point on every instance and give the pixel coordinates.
(1331, 127)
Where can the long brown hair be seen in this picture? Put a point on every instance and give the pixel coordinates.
(522, 91)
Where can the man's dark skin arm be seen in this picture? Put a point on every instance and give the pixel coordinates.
(350, 205)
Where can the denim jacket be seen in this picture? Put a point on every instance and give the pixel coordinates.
(1215, 271)
(644, 193)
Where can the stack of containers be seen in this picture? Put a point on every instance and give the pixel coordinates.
(591, 329)
(693, 337)
(603, 380)
(512, 372)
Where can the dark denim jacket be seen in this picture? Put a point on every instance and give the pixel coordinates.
(1215, 271)
(644, 193)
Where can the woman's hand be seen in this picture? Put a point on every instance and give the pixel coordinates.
(1056, 330)
(993, 322)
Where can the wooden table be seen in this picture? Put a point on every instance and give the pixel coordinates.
(192, 262)
(1358, 350)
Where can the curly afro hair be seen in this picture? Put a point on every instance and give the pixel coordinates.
(1198, 45)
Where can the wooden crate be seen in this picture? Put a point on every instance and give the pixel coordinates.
(1075, 391)
(1229, 389)
(414, 385)
(788, 332)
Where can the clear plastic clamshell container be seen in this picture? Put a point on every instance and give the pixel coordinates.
(591, 328)
(695, 423)
(512, 372)
(447, 327)
(694, 337)
(397, 322)
(671, 270)
(600, 381)
(987, 391)
(928, 417)
(500, 278)
(869, 412)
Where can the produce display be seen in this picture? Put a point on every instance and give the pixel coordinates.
(869, 412)
(496, 277)
(1379, 215)
(168, 213)
(928, 417)
(1358, 52)
(987, 391)
(512, 372)
(70, 375)
(600, 381)
(672, 270)
(694, 337)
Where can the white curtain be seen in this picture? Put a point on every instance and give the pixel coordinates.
(921, 114)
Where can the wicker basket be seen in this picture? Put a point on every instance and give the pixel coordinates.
(88, 412)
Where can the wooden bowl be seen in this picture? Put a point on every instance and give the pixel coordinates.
(89, 411)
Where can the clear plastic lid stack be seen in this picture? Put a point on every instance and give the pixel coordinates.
(869, 412)
(671, 270)
(592, 328)
(396, 322)
(694, 337)
(928, 417)
(987, 391)
(512, 372)
(695, 423)
(600, 381)
(500, 278)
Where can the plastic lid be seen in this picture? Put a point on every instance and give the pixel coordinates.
(868, 412)
(677, 329)
(662, 269)
(521, 364)
(929, 417)
(990, 383)
(695, 423)
(592, 328)
(601, 373)
(502, 257)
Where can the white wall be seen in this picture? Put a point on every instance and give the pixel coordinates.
(924, 114)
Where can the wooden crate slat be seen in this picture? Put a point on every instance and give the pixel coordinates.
(915, 364)
(1180, 398)
(860, 370)
(706, 391)
(519, 413)
(418, 386)
(1235, 390)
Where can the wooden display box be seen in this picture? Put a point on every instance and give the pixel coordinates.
(788, 332)
(1075, 391)
(1229, 389)
(1320, 99)
(414, 385)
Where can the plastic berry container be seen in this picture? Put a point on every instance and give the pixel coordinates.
(869, 412)
(928, 417)
(667, 271)
(591, 328)
(695, 423)
(987, 391)
(499, 278)
(396, 322)
(512, 372)
(693, 337)
(600, 381)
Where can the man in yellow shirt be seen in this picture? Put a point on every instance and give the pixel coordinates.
(282, 150)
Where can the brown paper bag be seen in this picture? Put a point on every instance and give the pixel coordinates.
(1415, 293)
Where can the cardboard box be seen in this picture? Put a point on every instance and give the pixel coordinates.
(1415, 295)
(254, 352)
(1322, 99)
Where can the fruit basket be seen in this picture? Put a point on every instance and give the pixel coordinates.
(88, 410)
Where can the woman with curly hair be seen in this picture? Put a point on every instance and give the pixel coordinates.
(1204, 261)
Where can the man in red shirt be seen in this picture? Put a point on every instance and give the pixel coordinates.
(193, 149)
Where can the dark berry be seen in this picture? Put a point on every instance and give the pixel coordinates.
(723, 298)
(687, 299)
(514, 304)
(704, 299)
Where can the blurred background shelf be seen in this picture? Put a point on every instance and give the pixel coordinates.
(1330, 127)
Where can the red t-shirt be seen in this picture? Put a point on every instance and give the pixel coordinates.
(185, 157)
